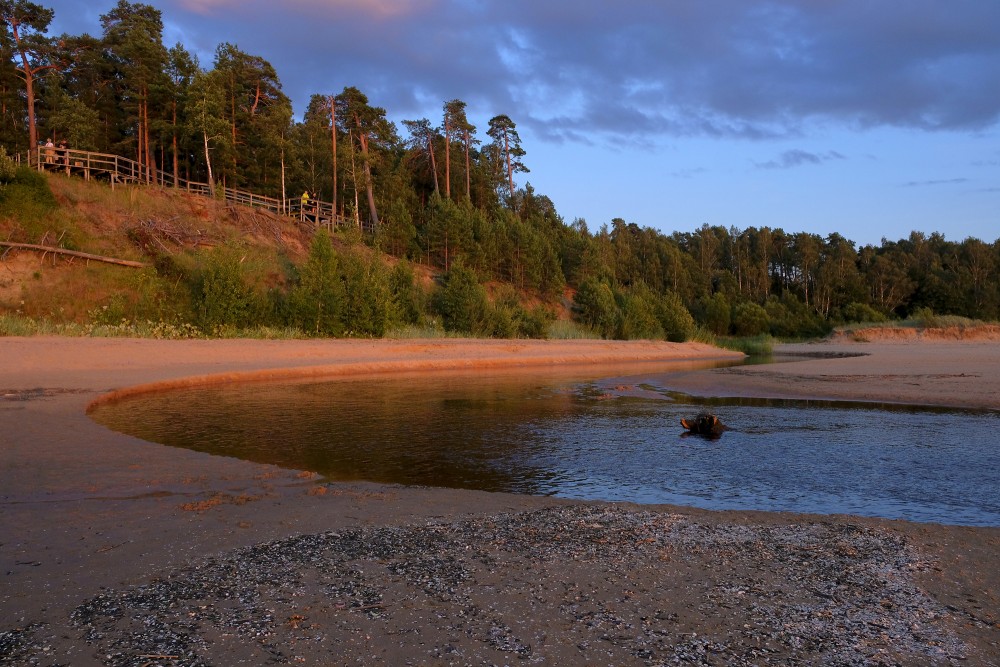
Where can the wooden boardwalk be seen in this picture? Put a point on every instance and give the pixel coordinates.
(120, 170)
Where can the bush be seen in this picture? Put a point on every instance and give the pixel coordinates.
(676, 320)
(569, 330)
(8, 168)
(860, 312)
(410, 301)
(594, 305)
(536, 323)
(369, 308)
(789, 317)
(226, 297)
(637, 314)
(749, 319)
(316, 304)
(717, 315)
(461, 300)
(507, 317)
(29, 200)
(923, 317)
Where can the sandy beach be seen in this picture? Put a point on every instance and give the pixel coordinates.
(115, 551)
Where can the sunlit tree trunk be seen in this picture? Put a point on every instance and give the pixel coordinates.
(333, 143)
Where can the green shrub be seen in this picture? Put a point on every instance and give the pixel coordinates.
(507, 317)
(226, 297)
(717, 315)
(316, 303)
(749, 319)
(461, 300)
(569, 330)
(676, 320)
(501, 321)
(637, 314)
(536, 323)
(410, 301)
(8, 168)
(28, 199)
(789, 317)
(923, 317)
(860, 312)
(369, 308)
(594, 306)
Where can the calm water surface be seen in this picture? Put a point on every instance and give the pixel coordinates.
(608, 439)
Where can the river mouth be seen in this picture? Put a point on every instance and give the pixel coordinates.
(616, 438)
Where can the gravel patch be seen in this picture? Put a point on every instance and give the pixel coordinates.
(594, 585)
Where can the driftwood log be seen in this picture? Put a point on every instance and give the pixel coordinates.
(705, 424)
(73, 253)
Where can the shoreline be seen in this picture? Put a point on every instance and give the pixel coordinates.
(91, 510)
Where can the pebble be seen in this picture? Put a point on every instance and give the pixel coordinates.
(573, 584)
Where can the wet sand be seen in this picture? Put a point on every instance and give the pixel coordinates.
(98, 530)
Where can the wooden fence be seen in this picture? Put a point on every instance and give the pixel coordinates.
(121, 170)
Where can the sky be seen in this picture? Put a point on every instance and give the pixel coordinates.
(869, 118)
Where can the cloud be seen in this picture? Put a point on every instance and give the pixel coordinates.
(932, 183)
(689, 173)
(797, 158)
(634, 71)
(373, 8)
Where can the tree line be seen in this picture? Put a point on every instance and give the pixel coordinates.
(445, 194)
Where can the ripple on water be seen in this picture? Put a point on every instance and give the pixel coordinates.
(575, 440)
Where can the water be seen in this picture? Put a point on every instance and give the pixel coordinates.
(615, 439)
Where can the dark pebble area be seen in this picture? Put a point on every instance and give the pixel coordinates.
(585, 585)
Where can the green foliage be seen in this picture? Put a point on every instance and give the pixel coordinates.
(8, 168)
(755, 346)
(924, 317)
(75, 121)
(369, 307)
(569, 330)
(461, 301)
(506, 317)
(676, 320)
(225, 295)
(716, 314)
(316, 303)
(860, 312)
(410, 302)
(789, 317)
(232, 123)
(637, 314)
(749, 319)
(594, 306)
(29, 200)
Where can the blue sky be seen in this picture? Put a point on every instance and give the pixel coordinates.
(869, 118)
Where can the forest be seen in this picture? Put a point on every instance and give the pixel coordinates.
(444, 194)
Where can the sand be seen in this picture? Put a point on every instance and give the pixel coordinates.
(85, 513)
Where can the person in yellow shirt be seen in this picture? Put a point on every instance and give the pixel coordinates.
(305, 205)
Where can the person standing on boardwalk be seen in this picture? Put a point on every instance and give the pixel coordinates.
(50, 151)
(305, 204)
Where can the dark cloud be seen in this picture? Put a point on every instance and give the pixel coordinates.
(594, 71)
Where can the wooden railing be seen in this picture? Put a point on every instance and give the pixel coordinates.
(121, 170)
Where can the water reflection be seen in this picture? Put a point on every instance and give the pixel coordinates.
(611, 439)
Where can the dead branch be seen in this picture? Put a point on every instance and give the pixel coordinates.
(74, 253)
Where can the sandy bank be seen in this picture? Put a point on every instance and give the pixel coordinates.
(92, 522)
(939, 372)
